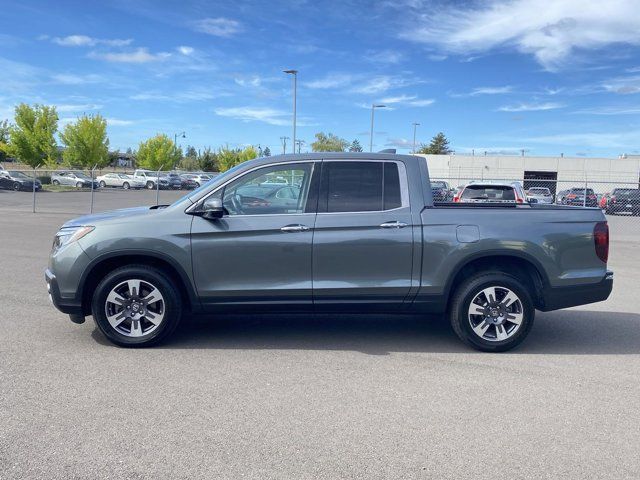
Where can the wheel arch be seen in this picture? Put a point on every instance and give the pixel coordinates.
(520, 265)
(109, 262)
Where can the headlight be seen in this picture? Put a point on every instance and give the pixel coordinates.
(69, 235)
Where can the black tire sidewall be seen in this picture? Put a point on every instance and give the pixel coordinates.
(126, 185)
(173, 306)
(150, 185)
(467, 292)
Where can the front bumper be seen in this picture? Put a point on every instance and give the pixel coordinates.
(69, 306)
(555, 298)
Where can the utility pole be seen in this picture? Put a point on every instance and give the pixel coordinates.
(415, 125)
(284, 144)
(299, 143)
(373, 107)
(295, 94)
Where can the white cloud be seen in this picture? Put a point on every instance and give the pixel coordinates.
(257, 114)
(73, 79)
(86, 41)
(610, 110)
(408, 100)
(623, 85)
(627, 139)
(384, 56)
(139, 55)
(185, 50)
(336, 80)
(485, 91)
(219, 27)
(253, 81)
(400, 143)
(550, 31)
(188, 95)
(267, 115)
(375, 85)
(118, 122)
(531, 107)
(77, 108)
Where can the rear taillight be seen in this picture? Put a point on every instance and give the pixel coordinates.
(572, 195)
(601, 240)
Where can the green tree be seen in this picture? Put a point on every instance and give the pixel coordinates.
(158, 153)
(4, 139)
(355, 146)
(439, 145)
(31, 138)
(191, 152)
(248, 153)
(86, 142)
(208, 161)
(329, 143)
(267, 152)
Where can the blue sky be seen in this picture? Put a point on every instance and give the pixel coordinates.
(547, 77)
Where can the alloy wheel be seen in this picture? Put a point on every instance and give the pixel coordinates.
(495, 313)
(135, 308)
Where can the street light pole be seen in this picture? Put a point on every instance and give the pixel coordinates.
(295, 94)
(373, 107)
(415, 124)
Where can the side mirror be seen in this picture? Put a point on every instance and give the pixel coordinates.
(212, 208)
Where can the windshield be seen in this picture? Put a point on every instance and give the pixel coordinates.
(493, 192)
(539, 190)
(627, 193)
(16, 174)
(222, 177)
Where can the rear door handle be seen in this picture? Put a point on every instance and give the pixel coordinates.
(393, 225)
(294, 228)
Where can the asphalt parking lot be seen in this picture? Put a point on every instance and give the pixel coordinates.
(309, 397)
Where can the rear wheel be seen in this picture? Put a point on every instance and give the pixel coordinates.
(56, 182)
(492, 311)
(136, 306)
(16, 186)
(126, 185)
(79, 185)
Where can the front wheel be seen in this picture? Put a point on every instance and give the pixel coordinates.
(150, 185)
(136, 306)
(102, 184)
(56, 182)
(79, 185)
(492, 311)
(17, 187)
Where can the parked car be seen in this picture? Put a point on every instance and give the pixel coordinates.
(576, 197)
(121, 180)
(539, 195)
(150, 179)
(74, 179)
(492, 192)
(363, 236)
(174, 181)
(440, 191)
(16, 180)
(198, 178)
(621, 200)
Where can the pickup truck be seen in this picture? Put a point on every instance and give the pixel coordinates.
(150, 179)
(351, 232)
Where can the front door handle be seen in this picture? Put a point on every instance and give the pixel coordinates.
(393, 225)
(294, 228)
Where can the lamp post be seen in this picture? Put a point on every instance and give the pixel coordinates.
(415, 125)
(295, 93)
(175, 142)
(373, 108)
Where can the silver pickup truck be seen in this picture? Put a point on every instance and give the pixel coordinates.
(329, 232)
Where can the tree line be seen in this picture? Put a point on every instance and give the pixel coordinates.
(31, 140)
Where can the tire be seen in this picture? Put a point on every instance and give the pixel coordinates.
(150, 185)
(17, 187)
(56, 182)
(126, 185)
(121, 288)
(102, 184)
(496, 322)
(79, 185)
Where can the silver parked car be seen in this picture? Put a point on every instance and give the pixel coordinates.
(199, 178)
(491, 192)
(121, 180)
(73, 179)
(539, 195)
